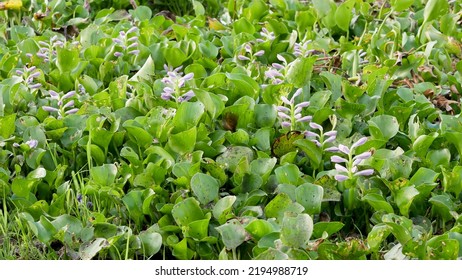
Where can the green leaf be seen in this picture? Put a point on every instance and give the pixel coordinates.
(7, 125)
(401, 5)
(383, 127)
(296, 230)
(452, 180)
(183, 142)
(243, 25)
(67, 59)
(378, 202)
(104, 175)
(404, 198)
(151, 243)
(233, 155)
(313, 152)
(198, 229)
(423, 142)
(287, 174)
(259, 228)
(89, 249)
(435, 9)
(265, 115)
(223, 208)
(285, 143)
(424, 176)
(174, 56)
(187, 211)
(343, 15)
(232, 234)
(299, 71)
(310, 196)
(443, 205)
(328, 227)
(187, 116)
(377, 235)
(276, 207)
(401, 227)
(141, 13)
(134, 203)
(204, 187)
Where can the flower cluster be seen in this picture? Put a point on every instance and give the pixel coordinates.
(291, 114)
(128, 42)
(174, 82)
(276, 72)
(351, 162)
(62, 107)
(268, 36)
(321, 138)
(249, 55)
(48, 49)
(29, 75)
(30, 144)
(302, 49)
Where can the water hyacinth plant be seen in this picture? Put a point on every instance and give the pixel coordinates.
(266, 130)
(350, 170)
(291, 113)
(63, 103)
(174, 83)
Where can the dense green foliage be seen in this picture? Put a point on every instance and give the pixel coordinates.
(279, 129)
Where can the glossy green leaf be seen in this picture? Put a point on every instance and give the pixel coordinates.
(205, 188)
(232, 233)
(296, 229)
(310, 196)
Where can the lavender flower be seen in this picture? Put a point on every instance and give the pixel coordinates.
(248, 54)
(321, 138)
(128, 42)
(47, 50)
(64, 106)
(291, 114)
(302, 49)
(277, 71)
(29, 76)
(29, 144)
(266, 36)
(351, 162)
(174, 82)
